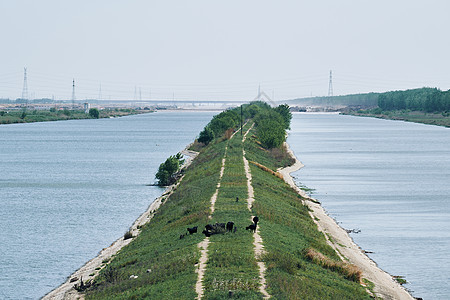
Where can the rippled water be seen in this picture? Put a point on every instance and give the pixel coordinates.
(389, 179)
(70, 188)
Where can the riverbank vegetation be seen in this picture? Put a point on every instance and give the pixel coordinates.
(424, 105)
(162, 261)
(28, 116)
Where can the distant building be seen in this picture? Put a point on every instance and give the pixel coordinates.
(87, 106)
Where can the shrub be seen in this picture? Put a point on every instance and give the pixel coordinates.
(206, 136)
(167, 171)
(94, 113)
(128, 235)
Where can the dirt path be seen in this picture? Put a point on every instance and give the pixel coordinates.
(385, 286)
(66, 291)
(203, 245)
(257, 240)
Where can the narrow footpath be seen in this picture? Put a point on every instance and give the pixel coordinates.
(258, 242)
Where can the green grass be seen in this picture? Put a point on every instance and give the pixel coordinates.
(286, 227)
(231, 263)
(288, 231)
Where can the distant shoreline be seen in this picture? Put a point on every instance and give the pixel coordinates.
(34, 116)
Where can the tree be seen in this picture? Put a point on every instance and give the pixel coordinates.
(206, 136)
(166, 174)
(285, 112)
(270, 129)
(94, 113)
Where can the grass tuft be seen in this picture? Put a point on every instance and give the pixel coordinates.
(349, 271)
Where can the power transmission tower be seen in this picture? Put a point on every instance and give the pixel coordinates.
(73, 93)
(100, 93)
(25, 86)
(330, 85)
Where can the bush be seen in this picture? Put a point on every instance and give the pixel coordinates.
(206, 136)
(167, 171)
(128, 235)
(94, 113)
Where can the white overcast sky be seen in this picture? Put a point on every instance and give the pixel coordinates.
(221, 50)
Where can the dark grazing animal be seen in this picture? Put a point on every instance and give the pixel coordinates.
(192, 230)
(230, 226)
(214, 229)
(255, 220)
(251, 227)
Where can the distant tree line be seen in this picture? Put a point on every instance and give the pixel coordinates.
(363, 100)
(423, 99)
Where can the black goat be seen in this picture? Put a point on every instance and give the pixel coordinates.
(255, 220)
(230, 226)
(251, 227)
(192, 230)
(214, 229)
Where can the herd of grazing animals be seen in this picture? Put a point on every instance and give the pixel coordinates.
(217, 228)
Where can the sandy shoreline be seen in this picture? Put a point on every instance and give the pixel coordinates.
(385, 286)
(66, 291)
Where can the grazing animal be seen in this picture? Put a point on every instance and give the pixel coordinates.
(206, 233)
(181, 236)
(255, 220)
(192, 230)
(220, 225)
(251, 227)
(230, 226)
(209, 227)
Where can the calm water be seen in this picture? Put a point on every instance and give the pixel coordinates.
(389, 179)
(70, 188)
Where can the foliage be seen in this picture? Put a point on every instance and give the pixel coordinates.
(206, 136)
(270, 129)
(285, 112)
(364, 100)
(423, 99)
(167, 171)
(94, 113)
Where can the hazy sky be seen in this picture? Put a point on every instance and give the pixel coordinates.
(218, 50)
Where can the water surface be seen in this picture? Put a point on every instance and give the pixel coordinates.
(390, 179)
(70, 188)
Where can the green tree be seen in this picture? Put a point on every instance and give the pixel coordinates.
(285, 112)
(206, 136)
(94, 113)
(270, 129)
(167, 171)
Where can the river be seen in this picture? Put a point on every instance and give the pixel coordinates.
(389, 179)
(70, 188)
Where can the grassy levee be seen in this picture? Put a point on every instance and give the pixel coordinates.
(288, 232)
(172, 260)
(300, 264)
(231, 265)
